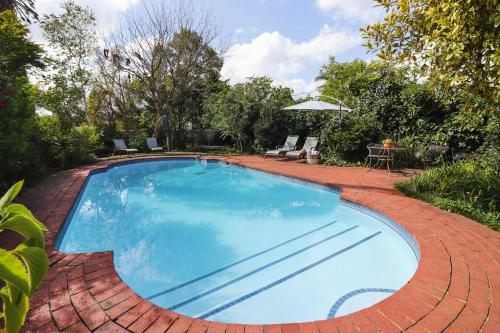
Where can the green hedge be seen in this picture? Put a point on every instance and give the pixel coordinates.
(470, 188)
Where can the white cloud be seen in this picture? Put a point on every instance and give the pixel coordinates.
(364, 10)
(105, 10)
(285, 60)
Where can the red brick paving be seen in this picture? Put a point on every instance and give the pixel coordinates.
(455, 289)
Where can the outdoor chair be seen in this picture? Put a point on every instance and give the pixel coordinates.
(311, 142)
(120, 146)
(379, 155)
(373, 153)
(153, 144)
(432, 152)
(289, 145)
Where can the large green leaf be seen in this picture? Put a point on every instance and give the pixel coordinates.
(13, 271)
(14, 311)
(25, 226)
(36, 262)
(11, 194)
(22, 210)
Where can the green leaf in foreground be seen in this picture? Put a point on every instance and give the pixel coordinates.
(14, 311)
(36, 262)
(13, 271)
(22, 210)
(11, 194)
(24, 226)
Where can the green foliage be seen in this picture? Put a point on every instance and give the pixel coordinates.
(345, 81)
(467, 187)
(250, 114)
(65, 149)
(23, 268)
(82, 141)
(454, 43)
(345, 140)
(62, 100)
(18, 52)
(138, 141)
(195, 75)
(17, 110)
(72, 34)
(386, 103)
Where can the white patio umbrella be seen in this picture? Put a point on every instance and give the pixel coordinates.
(320, 105)
(317, 105)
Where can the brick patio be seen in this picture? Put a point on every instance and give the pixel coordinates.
(455, 289)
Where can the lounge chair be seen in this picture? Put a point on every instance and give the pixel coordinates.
(153, 144)
(311, 142)
(120, 146)
(289, 145)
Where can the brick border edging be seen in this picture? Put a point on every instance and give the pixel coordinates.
(453, 289)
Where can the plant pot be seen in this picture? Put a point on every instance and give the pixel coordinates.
(388, 145)
(313, 159)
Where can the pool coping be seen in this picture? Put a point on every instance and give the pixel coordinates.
(453, 288)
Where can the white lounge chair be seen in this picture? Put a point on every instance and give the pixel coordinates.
(289, 145)
(153, 144)
(120, 146)
(311, 142)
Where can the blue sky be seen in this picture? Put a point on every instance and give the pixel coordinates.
(287, 40)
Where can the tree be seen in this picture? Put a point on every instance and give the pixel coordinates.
(17, 110)
(226, 112)
(250, 114)
(18, 52)
(344, 80)
(25, 9)
(72, 35)
(455, 43)
(167, 49)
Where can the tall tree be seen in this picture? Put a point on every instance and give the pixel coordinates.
(341, 80)
(72, 37)
(251, 114)
(167, 49)
(17, 111)
(452, 42)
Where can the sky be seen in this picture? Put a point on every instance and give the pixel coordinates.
(287, 40)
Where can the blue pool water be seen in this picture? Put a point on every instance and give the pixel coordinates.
(226, 243)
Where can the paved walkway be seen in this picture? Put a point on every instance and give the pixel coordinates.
(455, 289)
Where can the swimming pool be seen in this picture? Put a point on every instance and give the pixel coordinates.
(221, 242)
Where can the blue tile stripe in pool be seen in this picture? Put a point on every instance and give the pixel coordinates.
(285, 278)
(405, 234)
(255, 271)
(240, 261)
(335, 308)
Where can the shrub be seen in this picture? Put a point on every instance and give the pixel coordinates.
(65, 150)
(23, 268)
(139, 141)
(344, 141)
(465, 187)
(82, 141)
(17, 120)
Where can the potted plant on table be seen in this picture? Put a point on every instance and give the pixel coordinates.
(388, 143)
